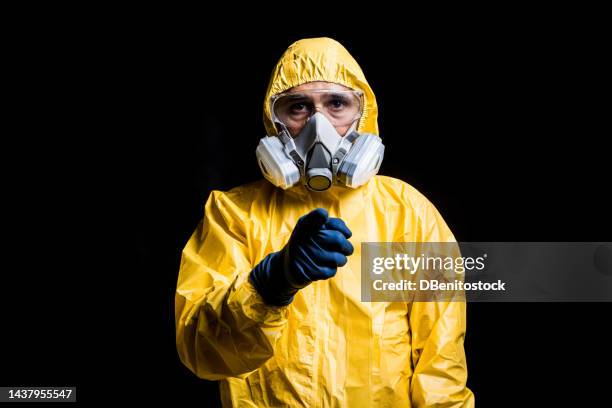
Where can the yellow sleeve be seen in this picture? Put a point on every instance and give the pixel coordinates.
(438, 330)
(223, 327)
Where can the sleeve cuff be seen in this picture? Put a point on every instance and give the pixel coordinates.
(245, 296)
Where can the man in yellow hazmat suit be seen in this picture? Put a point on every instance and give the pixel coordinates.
(268, 294)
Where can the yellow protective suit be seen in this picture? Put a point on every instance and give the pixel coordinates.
(327, 348)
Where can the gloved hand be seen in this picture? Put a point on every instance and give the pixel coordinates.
(317, 246)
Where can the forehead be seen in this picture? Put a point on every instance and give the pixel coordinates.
(318, 85)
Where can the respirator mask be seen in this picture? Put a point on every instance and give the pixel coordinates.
(308, 147)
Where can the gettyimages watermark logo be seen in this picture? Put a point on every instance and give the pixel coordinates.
(413, 264)
(486, 271)
(444, 266)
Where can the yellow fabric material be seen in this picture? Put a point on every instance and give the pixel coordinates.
(327, 348)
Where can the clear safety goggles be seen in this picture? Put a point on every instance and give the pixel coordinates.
(341, 107)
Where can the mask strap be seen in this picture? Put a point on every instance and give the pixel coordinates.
(290, 149)
(345, 145)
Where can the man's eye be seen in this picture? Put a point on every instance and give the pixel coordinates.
(298, 107)
(337, 103)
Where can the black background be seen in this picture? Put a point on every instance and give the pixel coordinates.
(501, 126)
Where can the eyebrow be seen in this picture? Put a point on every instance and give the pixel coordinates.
(339, 95)
(296, 96)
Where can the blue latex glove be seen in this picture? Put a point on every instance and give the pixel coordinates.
(317, 247)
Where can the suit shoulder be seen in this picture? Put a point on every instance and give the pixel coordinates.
(242, 196)
(401, 191)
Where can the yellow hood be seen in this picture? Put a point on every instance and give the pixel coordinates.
(320, 59)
